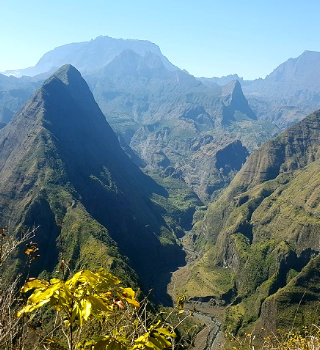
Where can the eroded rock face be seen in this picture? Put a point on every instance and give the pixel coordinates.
(263, 231)
(204, 164)
(231, 158)
(177, 125)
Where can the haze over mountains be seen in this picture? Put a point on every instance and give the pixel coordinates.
(287, 94)
(14, 93)
(159, 174)
(91, 55)
(170, 119)
(155, 106)
(167, 120)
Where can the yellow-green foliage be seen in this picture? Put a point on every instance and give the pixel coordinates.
(99, 297)
(303, 339)
(84, 294)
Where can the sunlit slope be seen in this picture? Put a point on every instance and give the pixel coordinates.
(260, 239)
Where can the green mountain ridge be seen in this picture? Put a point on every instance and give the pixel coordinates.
(259, 242)
(62, 169)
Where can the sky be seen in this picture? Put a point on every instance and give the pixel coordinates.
(206, 37)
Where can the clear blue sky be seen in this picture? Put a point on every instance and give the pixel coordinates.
(205, 37)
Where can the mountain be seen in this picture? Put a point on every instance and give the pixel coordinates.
(169, 122)
(13, 94)
(300, 73)
(294, 84)
(90, 55)
(62, 169)
(290, 92)
(259, 242)
(303, 72)
(287, 94)
(176, 124)
(283, 98)
(220, 80)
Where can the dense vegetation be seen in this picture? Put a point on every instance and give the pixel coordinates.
(260, 239)
(63, 170)
(252, 257)
(87, 311)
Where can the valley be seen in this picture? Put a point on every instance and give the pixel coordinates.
(206, 188)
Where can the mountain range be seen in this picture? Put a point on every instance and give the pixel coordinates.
(168, 121)
(287, 94)
(176, 183)
(90, 55)
(284, 97)
(173, 121)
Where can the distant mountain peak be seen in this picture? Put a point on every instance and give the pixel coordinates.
(90, 56)
(67, 73)
(303, 69)
(234, 87)
(235, 101)
(232, 92)
(310, 52)
(129, 62)
(222, 81)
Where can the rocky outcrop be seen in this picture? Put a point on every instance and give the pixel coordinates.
(262, 233)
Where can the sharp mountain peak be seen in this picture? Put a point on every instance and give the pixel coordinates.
(231, 88)
(68, 74)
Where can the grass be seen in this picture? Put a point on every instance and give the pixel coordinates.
(200, 279)
(266, 236)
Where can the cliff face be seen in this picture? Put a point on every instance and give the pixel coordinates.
(260, 239)
(62, 169)
(173, 122)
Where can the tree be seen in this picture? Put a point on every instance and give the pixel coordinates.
(100, 299)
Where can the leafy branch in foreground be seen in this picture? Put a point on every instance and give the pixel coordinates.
(10, 326)
(98, 298)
